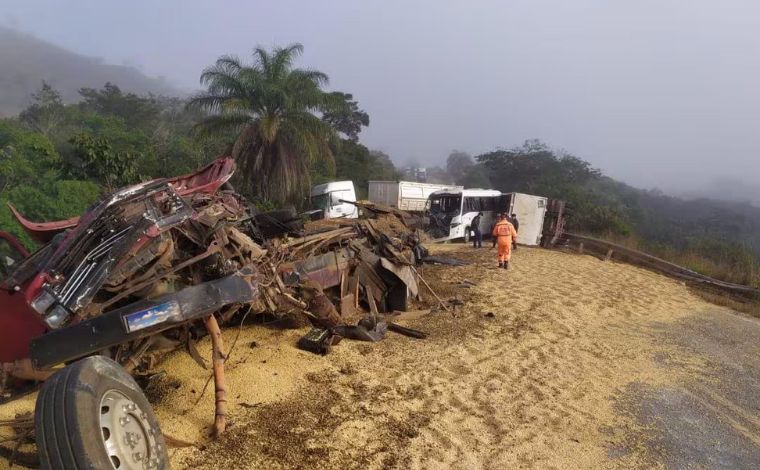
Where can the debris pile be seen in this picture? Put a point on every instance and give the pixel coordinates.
(153, 267)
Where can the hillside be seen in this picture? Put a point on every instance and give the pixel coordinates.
(26, 61)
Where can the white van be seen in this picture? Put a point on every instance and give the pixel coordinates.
(450, 212)
(326, 198)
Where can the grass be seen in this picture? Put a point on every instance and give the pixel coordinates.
(725, 299)
(714, 258)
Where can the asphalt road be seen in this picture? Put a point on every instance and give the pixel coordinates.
(712, 421)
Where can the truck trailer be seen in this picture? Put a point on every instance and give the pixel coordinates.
(408, 196)
(530, 211)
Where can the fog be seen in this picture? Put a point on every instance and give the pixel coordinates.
(656, 93)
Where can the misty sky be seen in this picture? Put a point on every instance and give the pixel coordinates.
(658, 93)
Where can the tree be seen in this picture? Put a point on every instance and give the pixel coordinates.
(100, 162)
(475, 176)
(438, 175)
(46, 112)
(345, 116)
(271, 107)
(136, 111)
(457, 165)
(535, 168)
(355, 162)
(30, 179)
(25, 157)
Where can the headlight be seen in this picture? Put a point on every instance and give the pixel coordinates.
(57, 317)
(42, 302)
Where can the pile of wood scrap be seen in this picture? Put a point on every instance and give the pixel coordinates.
(343, 274)
(375, 211)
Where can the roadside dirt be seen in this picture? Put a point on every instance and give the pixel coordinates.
(561, 375)
(564, 361)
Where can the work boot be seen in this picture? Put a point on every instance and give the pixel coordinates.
(501, 265)
(506, 265)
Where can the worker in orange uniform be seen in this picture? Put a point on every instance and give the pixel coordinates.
(504, 233)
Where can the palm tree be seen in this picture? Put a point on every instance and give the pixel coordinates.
(271, 108)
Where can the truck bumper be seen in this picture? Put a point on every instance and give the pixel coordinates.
(142, 318)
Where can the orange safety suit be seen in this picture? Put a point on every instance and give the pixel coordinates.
(504, 232)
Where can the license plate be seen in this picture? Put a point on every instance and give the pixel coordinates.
(152, 316)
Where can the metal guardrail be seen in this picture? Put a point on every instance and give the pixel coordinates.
(659, 264)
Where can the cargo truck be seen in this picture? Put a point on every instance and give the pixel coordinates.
(326, 200)
(408, 196)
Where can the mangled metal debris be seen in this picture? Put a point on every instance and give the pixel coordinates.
(153, 267)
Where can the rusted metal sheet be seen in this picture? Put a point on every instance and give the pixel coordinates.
(325, 269)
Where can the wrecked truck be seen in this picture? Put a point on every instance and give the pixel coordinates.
(150, 269)
(114, 286)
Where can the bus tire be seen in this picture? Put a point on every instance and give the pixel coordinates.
(467, 235)
(92, 414)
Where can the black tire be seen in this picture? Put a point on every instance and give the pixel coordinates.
(467, 235)
(70, 414)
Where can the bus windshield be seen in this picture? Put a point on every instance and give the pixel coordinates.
(448, 204)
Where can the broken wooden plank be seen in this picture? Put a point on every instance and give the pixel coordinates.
(371, 277)
(372, 304)
(318, 237)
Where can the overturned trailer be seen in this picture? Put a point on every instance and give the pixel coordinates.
(530, 211)
(150, 269)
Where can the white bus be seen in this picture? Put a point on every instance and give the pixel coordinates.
(450, 212)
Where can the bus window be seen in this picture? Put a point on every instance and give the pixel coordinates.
(445, 204)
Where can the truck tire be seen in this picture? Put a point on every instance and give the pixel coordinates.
(93, 415)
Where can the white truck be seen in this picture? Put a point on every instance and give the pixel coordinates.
(530, 211)
(408, 196)
(327, 198)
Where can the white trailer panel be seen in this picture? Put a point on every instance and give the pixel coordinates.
(383, 192)
(405, 195)
(530, 211)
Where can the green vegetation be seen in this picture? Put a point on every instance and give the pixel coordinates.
(271, 107)
(58, 158)
(31, 179)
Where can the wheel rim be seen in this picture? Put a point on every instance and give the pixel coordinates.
(128, 437)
